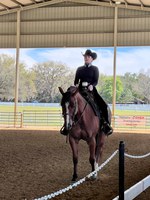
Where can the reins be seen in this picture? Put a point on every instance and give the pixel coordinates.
(74, 123)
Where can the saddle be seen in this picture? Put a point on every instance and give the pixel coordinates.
(104, 126)
(89, 97)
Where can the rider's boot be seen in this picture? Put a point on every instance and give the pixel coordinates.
(107, 129)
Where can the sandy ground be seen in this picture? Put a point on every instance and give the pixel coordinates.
(35, 163)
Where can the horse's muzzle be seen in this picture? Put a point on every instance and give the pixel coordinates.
(68, 127)
(64, 131)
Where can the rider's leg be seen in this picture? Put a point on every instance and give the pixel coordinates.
(105, 114)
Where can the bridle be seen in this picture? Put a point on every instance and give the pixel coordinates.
(76, 122)
(75, 111)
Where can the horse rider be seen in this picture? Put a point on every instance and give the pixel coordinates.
(87, 77)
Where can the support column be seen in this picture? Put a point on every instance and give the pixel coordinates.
(114, 63)
(17, 66)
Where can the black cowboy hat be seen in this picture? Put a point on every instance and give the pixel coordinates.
(90, 53)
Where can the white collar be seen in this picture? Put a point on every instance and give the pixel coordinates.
(89, 65)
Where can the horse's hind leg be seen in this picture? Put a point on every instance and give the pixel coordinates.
(100, 141)
(74, 147)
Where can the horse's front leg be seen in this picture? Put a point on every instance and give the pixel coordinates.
(92, 159)
(74, 147)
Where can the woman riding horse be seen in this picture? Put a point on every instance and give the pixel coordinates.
(86, 79)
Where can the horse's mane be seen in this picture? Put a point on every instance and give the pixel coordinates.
(67, 95)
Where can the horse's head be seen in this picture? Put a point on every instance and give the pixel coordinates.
(69, 106)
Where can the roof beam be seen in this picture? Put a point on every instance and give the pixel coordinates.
(18, 3)
(87, 2)
(126, 3)
(110, 1)
(4, 6)
(142, 5)
(33, 1)
(29, 7)
(108, 4)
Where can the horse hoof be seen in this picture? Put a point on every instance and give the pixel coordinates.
(72, 182)
(74, 179)
(92, 178)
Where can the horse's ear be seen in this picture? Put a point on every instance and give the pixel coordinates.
(61, 90)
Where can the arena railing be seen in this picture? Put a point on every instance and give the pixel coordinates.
(10, 119)
(53, 119)
(43, 118)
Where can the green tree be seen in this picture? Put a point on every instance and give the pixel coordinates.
(7, 80)
(27, 90)
(106, 89)
(126, 96)
(7, 77)
(142, 88)
(129, 81)
(48, 77)
(136, 86)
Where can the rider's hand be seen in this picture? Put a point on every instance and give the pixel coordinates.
(90, 87)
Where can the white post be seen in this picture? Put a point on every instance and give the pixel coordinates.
(17, 66)
(114, 63)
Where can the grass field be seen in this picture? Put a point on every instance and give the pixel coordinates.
(6, 108)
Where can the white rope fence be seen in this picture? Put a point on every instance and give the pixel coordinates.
(136, 189)
(52, 195)
(61, 191)
(142, 156)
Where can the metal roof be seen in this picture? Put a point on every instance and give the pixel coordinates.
(74, 23)
(7, 6)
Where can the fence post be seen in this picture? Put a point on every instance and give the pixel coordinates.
(121, 170)
(21, 125)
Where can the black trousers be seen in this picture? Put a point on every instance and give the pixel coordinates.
(103, 106)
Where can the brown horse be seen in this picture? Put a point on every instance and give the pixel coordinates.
(81, 123)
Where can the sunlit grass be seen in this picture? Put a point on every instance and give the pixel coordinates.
(10, 108)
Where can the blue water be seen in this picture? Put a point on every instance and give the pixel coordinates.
(140, 107)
